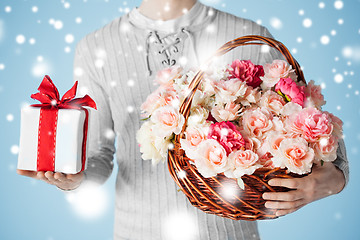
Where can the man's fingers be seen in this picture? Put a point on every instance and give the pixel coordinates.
(26, 173)
(284, 205)
(75, 177)
(293, 195)
(50, 176)
(41, 176)
(285, 182)
(60, 177)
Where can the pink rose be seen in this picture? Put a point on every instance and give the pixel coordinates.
(251, 143)
(314, 97)
(312, 124)
(227, 135)
(293, 93)
(274, 140)
(194, 135)
(247, 72)
(159, 98)
(325, 149)
(256, 122)
(242, 162)
(167, 121)
(210, 158)
(274, 71)
(272, 101)
(229, 112)
(295, 155)
(166, 76)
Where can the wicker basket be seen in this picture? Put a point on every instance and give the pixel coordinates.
(212, 195)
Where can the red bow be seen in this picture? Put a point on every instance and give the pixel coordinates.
(49, 97)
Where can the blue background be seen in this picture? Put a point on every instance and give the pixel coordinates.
(31, 209)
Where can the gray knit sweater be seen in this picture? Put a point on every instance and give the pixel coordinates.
(115, 65)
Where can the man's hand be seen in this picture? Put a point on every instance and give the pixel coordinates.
(323, 181)
(61, 180)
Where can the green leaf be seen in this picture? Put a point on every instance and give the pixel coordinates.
(144, 119)
(240, 182)
(322, 163)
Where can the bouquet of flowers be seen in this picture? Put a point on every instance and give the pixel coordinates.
(243, 117)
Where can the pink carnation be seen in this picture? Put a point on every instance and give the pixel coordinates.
(314, 96)
(227, 135)
(166, 76)
(312, 124)
(247, 72)
(292, 92)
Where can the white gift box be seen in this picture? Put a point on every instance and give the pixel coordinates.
(69, 140)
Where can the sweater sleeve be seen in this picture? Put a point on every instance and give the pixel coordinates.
(101, 134)
(341, 161)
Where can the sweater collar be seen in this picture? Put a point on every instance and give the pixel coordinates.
(197, 17)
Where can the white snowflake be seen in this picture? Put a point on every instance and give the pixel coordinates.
(340, 21)
(109, 134)
(130, 83)
(99, 63)
(301, 12)
(2, 66)
(78, 20)
(307, 22)
(69, 38)
(58, 24)
(78, 71)
(32, 41)
(338, 4)
(276, 23)
(325, 40)
(40, 69)
(321, 5)
(34, 9)
(66, 5)
(20, 39)
(89, 201)
(10, 117)
(7, 9)
(338, 78)
(130, 109)
(40, 58)
(14, 149)
(67, 49)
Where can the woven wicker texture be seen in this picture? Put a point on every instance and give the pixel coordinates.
(221, 195)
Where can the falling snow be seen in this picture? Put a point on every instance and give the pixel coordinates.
(321, 5)
(338, 78)
(20, 39)
(338, 4)
(14, 149)
(7, 9)
(325, 40)
(276, 23)
(78, 20)
(2, 66)
(34, 9)
(10, 117)
(69, 38)
(307, 22)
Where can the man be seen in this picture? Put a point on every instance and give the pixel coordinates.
(116, 65)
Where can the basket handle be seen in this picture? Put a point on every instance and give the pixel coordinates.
(227, 47)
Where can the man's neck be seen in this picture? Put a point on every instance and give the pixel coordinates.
(165, 9)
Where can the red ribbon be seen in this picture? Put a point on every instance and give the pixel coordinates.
(50, 100)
